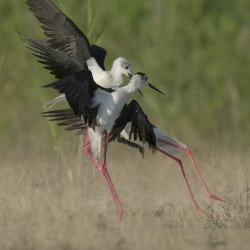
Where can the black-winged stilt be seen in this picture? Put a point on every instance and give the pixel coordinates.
(67, 49)
(98, 108)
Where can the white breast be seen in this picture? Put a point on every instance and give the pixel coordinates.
(110, 106)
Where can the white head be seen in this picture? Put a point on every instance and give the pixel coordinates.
(122, 66)
(140, 80)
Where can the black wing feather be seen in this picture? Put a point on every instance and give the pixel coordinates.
(140, 126)
(59, 63)
(122, 140)
(79, 90)
(63, 34)
(66, 117)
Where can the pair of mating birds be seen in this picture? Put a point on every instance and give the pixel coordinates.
(97, 101)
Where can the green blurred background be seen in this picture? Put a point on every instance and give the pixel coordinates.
(196, 51)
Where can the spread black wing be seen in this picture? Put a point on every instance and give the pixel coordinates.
(63, 34)
(66, 117)
(59, 63)
(122, 140)
(141, 129)
(79, 90)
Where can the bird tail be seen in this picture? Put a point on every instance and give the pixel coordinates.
(95, 143)
(161, 136)
(55, 101)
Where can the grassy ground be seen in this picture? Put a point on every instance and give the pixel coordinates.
(42, 208)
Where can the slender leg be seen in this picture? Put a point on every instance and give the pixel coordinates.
(86, 144)
(188, 151)
(104, 172)
(104, 166)
(184, 175)
(106, 138)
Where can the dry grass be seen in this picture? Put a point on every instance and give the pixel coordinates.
(40, 208)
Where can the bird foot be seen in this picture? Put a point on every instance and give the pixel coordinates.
(120, 205)
(201, 210)
(120, 216)
(215, 197)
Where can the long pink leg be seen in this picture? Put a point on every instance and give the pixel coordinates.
(185, 178)
(188, 151)
(104, 172)
(87, 150)
(104, 168)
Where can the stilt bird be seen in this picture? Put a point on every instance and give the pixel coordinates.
(99, 108)
(67, 49)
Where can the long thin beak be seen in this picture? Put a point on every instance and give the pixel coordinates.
(140, 93)
(153, 87)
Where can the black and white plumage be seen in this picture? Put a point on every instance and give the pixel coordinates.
(79, 89)
(97, 105)
(98, 108)
(66, 117)
(67, 49)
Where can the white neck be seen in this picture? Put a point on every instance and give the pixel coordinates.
(132, 87)
(127, 91)
(117, 76)
(94, 67)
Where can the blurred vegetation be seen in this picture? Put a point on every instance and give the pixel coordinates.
(196, 51)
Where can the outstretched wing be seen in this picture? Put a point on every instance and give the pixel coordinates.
(63, 34)
(59, 63)
(79, 89)
(124, 141)
(141, 129)
(66, 117)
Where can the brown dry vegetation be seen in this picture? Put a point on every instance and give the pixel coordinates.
(41, 207)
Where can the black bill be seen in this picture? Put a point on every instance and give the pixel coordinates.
(153, 87)
(140, 93)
